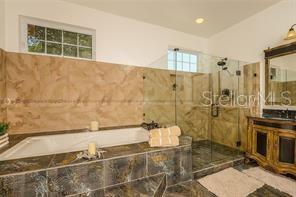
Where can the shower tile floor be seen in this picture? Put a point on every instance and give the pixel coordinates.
(209, 157)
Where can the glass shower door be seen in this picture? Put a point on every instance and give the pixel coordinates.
(224, 123)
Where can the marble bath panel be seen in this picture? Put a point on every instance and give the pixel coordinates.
(63, 93)
(143, 187)
(185, 163)
(31, 184)
(124, 169)
(98, 81)
(54, 79)
(24, 118)
(23, 76)
(80, 115)
(3, 116)
(120, 113)
(76, 179)
(54, 117)
(166, 162)
(25, 164)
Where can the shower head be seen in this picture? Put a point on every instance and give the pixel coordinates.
(222, 62)
(225, 68)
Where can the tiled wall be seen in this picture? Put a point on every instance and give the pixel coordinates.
(51, 93)
(61, 94)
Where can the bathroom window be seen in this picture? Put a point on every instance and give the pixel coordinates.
(182, 61)
(49, 38)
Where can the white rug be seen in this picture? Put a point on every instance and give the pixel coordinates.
(230, 183)
(279, 182)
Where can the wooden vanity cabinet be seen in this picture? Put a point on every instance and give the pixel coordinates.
(273, 148)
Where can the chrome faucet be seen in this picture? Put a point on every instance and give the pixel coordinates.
(285, 113)
(150, 126)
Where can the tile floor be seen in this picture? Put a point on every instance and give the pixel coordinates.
(195, 189)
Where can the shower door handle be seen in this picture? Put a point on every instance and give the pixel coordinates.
(214, 110)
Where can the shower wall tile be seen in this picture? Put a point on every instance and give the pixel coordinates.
(158, 85)
(160, 112)
(194, 120)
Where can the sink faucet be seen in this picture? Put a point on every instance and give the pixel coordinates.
(150, 126)
(285, 113)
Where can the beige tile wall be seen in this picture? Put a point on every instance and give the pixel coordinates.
(52, 93)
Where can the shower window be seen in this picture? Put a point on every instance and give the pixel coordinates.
(182, 61)
(51, 38)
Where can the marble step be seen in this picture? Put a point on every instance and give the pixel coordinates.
(216, 167)
(150, 186)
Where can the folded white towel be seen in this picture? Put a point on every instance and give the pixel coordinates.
(3, 140)
(3, 136)
(5, 144)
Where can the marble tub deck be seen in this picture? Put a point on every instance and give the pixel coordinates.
(66, 174)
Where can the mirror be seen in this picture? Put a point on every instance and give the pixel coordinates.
(281, 75)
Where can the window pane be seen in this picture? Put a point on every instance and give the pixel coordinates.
(85, 53)
(185, 57)
(186, 67)
(38, 47)
(193, 58)
(85, 40)
(179, 56)
(70, 37)
(179, 66)
(70, 51)
(54, 35)
(193, 67)
(36, 32)
(171, 55)
(171, 65)
(54, 49)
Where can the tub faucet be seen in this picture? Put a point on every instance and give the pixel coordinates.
(150, 126)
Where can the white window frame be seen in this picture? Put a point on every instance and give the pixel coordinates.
(186, 52)
(25, 21)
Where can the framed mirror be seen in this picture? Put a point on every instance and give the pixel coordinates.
(280, 75)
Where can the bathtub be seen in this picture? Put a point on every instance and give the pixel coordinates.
(62, 143)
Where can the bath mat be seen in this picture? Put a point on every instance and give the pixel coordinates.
(279, 182)
(230, 183)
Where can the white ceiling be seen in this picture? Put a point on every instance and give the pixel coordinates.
(181, 14)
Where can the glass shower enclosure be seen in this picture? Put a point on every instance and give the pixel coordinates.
(198, 92)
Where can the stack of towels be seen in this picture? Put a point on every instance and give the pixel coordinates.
(4, 140)
(164, 137)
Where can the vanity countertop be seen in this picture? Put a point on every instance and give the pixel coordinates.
(274, 122)
(274, 119)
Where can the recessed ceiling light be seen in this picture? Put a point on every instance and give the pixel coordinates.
(199, 20)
